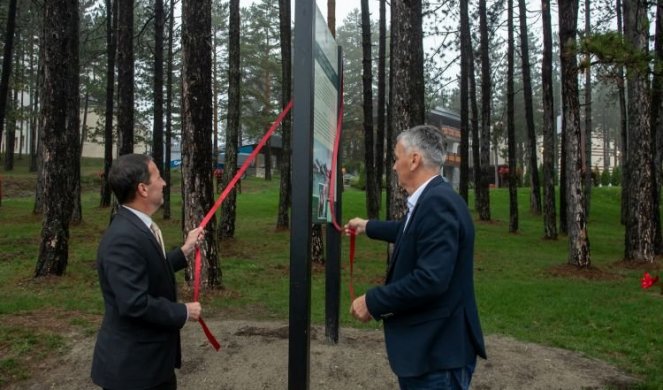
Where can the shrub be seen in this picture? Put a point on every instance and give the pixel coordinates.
(605, 177)
(616, 178)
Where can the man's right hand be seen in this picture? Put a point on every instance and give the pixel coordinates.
(358, 225)
(193, 310)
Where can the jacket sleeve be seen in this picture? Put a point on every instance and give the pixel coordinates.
(125, 265)
(433, 255)
(383, 230)
(177, 259)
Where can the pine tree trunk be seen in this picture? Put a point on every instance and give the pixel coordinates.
(577, 220)
(157, 132)
(372, 201)
(408, 79)
(563, 183)
(390, 182)
(657, 128)
(511, 128)
(380, 166)
(587, 134)
(7, 64)
(77, 214)
(535, 185)
(38, 207)
(331, 17)
(228, 213)
(111, 44)
(34, 110)
(169, 112)
(640, 230)
(482, 194)
(10, 137)
(125, 76)
(267, 109)
(623, 123)
(549, 211)
(60, 112)
(282, 219)
(197, 185)
(465, 48)
(317, 244)
(474, 120)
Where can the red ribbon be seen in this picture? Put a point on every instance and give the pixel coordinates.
(217, 204)
(331, 197)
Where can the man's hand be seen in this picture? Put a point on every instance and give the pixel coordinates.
(356, 224)
(193, 239)
(359, 310)
(193, 310)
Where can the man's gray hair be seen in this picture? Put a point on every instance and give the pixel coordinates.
(427, 140)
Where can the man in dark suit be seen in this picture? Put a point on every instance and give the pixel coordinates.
(138, 344)
(427, 303)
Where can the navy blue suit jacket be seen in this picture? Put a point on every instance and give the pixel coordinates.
(138, 344)
(427, 303)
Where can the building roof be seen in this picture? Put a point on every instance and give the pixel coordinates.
(440, 116)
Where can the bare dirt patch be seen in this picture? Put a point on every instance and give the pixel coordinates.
(591, 273)
(254, 355)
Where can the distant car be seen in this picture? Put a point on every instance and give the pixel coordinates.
(348, 178)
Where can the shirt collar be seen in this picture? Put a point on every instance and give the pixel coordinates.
(147, 220)
(414, 198)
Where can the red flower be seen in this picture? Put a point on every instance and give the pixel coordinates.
(647, 281)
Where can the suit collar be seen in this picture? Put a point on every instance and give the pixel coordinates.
(147, 220)
(139, 222)
(433, 182)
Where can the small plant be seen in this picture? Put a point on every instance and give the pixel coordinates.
(648, 281)
(605, 178)
(616, 178)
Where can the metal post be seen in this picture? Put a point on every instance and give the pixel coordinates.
(333, 264)
(302, 182)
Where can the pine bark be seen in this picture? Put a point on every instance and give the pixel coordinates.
(169, 112)
(511, 128)
(10, 137)
(623, 133)
(111, 44)
(372, 195)
(60, 114)
(7, 63)
(587, 133)
(285, 34)
(482, 194)
(34, 111)
(197, 185)
(640, 230)
(157, 130)
(474, 120)
(535, 184)
(228, 213)
(125, 76)
(657, 127)
(579, 254)
(380, 166)
(408, 81)
(465, 48)
(549, 210)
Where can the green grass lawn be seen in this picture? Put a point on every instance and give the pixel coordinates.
(524, 289)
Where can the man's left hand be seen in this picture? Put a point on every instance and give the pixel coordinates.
(359, 310)
(193, 239)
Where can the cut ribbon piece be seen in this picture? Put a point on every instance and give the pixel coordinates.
(217, 204)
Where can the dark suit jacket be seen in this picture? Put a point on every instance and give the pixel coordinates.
(427, 304)
(138, 344)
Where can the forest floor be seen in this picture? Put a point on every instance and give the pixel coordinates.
(254, 355)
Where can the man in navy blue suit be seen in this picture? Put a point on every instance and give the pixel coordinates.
(427, 304)
(138, 344)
